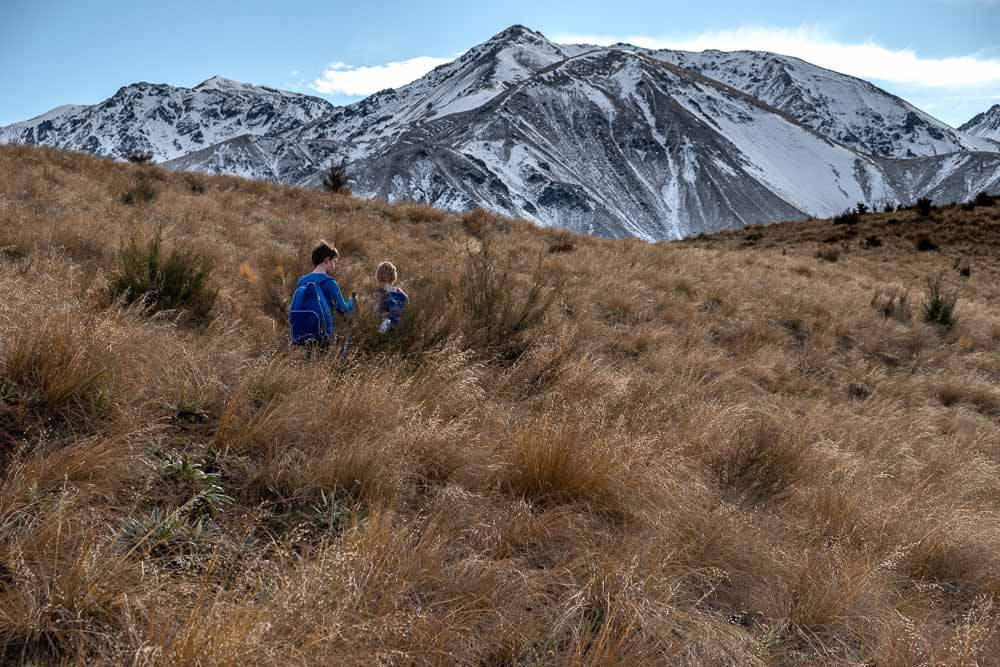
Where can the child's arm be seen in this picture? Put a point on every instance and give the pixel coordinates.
(333, 293)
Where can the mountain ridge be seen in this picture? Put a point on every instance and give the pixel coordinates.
(747, 133)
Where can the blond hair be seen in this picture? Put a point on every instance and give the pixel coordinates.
(386, 273)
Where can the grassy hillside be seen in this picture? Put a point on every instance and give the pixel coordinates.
(727, 451)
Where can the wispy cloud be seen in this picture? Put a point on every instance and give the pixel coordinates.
(867, 59)
(344, 79)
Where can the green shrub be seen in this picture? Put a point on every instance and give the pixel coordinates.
(174, 280)
(939, 303)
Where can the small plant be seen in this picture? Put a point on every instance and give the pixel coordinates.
(828, 255)
(178, 280)
(143, 191)
(861, 208)
(893, 303)
(925, 244)
(888, 208)
(209, 496)
(195, 184)
(165, 535)
(872, 242)
(924, 206)
(562, 243)
(757, 463)
(335, 180)
(939, 303)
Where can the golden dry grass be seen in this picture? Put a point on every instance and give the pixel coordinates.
(724, 451)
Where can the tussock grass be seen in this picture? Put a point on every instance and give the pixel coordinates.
(571, 451)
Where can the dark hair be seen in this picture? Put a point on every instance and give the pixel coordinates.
(322, 251)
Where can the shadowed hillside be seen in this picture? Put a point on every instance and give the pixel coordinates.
(750, 449)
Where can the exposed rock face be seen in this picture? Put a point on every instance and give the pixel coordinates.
(616, 141)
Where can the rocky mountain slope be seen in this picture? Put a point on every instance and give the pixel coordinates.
(846, 109)
(986, 124)
(167, 121)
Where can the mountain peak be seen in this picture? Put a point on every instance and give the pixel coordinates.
(518, 34)
(219, 82)
(985, 124)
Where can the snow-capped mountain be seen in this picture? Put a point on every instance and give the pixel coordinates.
(985, 125)
(617, 141)
(167, 121)
(846, 109)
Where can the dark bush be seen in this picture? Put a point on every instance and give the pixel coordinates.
(861, 208)
(939, 303)
(828, 255)
(968, 206)
(195, 185)
(924, 206)
(846, 218)
(925, 244)
(562, 243)
(335, 180)
(872, 242)
(140, 158)
(178, 280)
(984, 199)
(888, 208)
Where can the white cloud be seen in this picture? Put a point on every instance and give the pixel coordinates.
(868, 60)
(346, 79)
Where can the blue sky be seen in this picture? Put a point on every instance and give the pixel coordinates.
(942, 55)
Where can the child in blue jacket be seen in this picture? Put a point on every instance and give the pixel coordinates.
(317, 294)
(390, 300)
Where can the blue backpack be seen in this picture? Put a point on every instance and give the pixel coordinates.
(393, 302)
(310, 318)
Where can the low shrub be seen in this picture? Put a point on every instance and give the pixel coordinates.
(985, 199)
(939, 303)
(924, 206)
(849, 217)
(335, 180)
(174, 280)
(828, 255)
(562, 243)
(756, 462)
(61, 367)
(142, 191)
(925, 244)
(498, 311)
